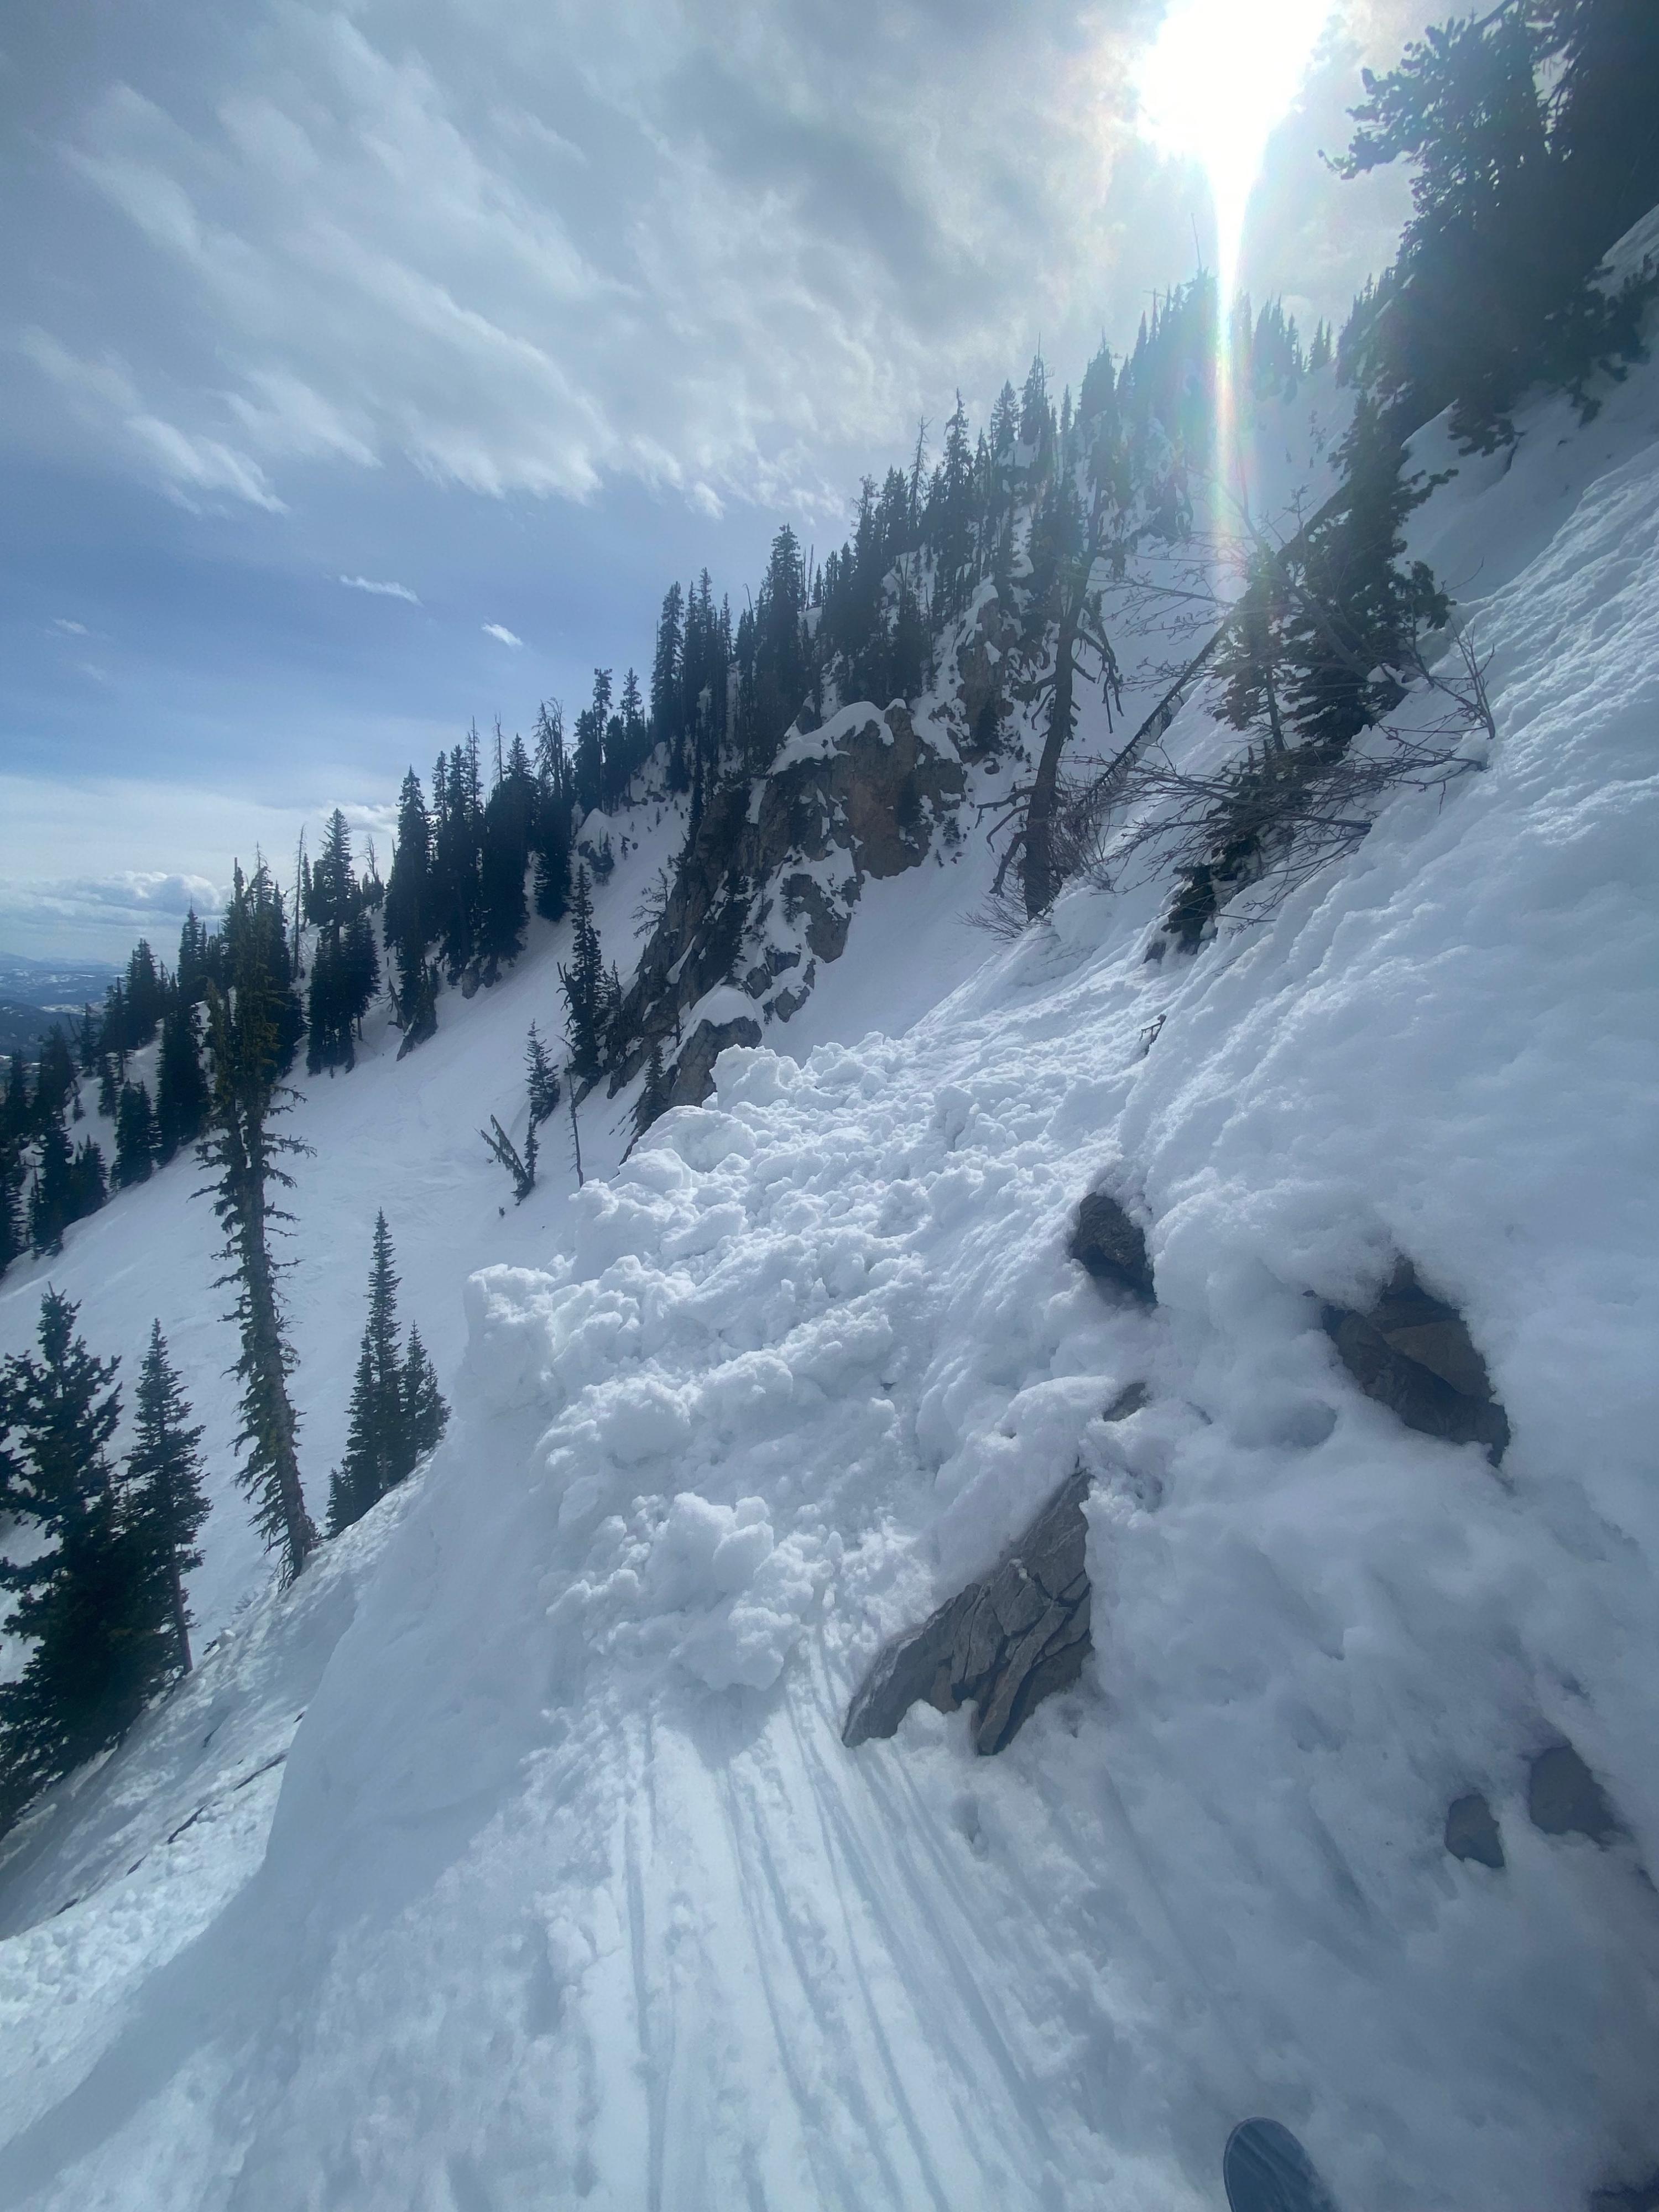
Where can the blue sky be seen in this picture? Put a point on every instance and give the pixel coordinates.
(525, 308)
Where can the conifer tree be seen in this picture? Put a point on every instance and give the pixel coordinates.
(360, 967)
(421, 1014)
(190, 984)
(590, 745)
(17, 1111)
(146, 995)
(778, 672)
(245, 1048)
(667, 710)
(458, 803)
(426, 1415)
(584, 984)
(508, 826)
(165, 1501)
(253, 938)
(378, 1452)
(409, 901)
(355, 1484)
(541, 1079)
(109, 1088)
(112, 1030)
(137, 1137)
(181, 1090)
(13, 1237)
(88, 1185)
(91, 1604)
(653, 1101)
(54, 1079)
(52, 1197)
(345, 971)
(552, 817)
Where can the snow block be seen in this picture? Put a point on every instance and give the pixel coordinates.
(1413, 1353)
(1003, 1644)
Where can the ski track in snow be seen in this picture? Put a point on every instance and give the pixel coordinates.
(570, 1893)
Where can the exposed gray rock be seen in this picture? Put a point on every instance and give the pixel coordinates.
(1564, 1798)
(870, 804)
(827, 922)
(1113, 1247)
(1128, 1401)
(691, 1079)
(1413, 1353)
(1472, 1832)
(982, 678)
(1002, 1644)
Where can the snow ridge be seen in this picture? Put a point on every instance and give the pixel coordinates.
(571, 1893)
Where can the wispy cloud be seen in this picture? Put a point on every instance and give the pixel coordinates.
(72, 629)
(501, 634)
(188, 462)
(386, 591)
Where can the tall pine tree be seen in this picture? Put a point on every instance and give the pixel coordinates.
(375, 1453)
(181, 1090)
(583, 982)
(552, 821)
(409, 902)
(396, 1413)
(51, 1195)
(541, 1078)
(245, 1046)
(90, 1603)
(426, 1414)
(165, 1501)
(137, 1137)
(509, 821)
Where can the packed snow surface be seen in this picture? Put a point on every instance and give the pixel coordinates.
(570, 1894)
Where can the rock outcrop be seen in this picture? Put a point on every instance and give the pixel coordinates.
(777, 866)
(1113, 1247)
(1413, 1353)
(982, 665)
(691, 1079)
(1002, 1644)
(1472, 1832)
(1564, 1798)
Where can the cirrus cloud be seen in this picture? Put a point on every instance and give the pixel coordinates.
(386, 591)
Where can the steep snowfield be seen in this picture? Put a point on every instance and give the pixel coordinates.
(571, 1893)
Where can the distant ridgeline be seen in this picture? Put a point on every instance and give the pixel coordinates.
(975, 580)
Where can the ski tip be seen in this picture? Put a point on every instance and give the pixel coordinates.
(1266, 2170)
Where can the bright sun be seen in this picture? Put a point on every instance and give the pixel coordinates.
(1217, 79)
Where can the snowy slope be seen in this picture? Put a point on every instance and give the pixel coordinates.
(571, 1893)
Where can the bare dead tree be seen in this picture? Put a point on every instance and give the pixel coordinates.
(1268, 822)
(521, 1168)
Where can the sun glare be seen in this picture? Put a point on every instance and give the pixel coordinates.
(1218, 76)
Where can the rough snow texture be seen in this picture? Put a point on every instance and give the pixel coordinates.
(571, 1894)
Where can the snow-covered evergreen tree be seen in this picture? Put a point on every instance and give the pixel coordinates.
(377, 1453)
(245, 1043)
(166, 1500)
(91, 1604)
